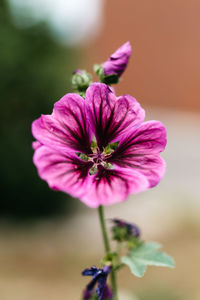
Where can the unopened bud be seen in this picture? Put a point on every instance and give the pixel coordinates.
(110, 71)
(124, 231)
(81, 80)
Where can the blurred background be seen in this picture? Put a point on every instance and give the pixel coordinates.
(42, 231)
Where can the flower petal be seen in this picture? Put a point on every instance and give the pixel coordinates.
(36, 145)
(66, 127)
(102, 283)
(107, 293)
(140, 150)
(110, 186)
(117, 62)
(110, 116)
(63, 172)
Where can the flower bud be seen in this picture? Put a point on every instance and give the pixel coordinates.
(110, 71)
(123, 231)
(118, 61)
(81, 80)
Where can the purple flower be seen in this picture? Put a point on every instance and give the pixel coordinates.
(98, 149)
(132, 229)
(118, 61)
(87, 294)
(99, 277)
(107, 293)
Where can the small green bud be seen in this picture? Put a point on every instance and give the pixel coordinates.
(81, 81)
(125, 232)
(119, 234)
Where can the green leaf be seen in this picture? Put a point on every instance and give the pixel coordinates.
(110, 79)
(146, 254)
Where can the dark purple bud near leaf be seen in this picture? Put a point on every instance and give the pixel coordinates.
(132, 229)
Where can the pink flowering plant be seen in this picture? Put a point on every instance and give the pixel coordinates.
(97, 147)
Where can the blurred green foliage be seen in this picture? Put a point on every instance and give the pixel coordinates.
(35, 71)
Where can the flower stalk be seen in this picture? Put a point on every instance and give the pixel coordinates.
(96, 141)
(107, 249)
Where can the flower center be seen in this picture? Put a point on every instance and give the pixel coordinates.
(99, 157)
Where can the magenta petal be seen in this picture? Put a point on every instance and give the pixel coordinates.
(66, 127)
(153, 167)
(133, 113)
(148, 138)
(63, 172)
(110, 186)
(140, 150)
(118, 61)
(36, 145)
(110, 116)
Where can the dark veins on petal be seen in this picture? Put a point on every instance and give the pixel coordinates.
(78, 139)
(79, 166)
(124, 154)
(107, 175)
(82, 167)
(107, 128)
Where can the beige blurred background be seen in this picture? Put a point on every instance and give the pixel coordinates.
(42, 259)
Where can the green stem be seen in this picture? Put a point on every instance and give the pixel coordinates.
(107, 250)
(118, 250)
